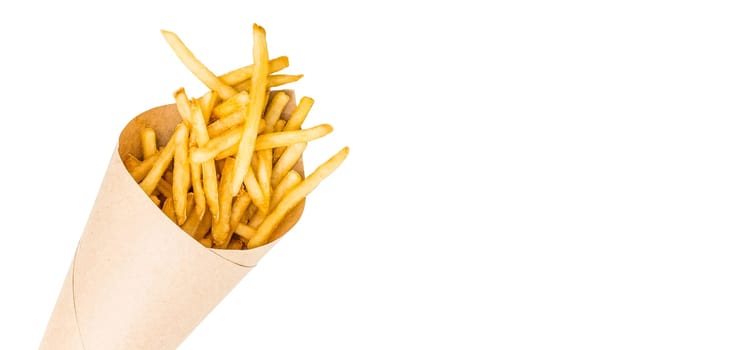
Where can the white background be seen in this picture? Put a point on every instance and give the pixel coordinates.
(522, 175)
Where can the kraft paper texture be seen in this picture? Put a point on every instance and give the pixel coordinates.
(137, 280)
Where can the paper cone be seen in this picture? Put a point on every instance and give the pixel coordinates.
(137, 280)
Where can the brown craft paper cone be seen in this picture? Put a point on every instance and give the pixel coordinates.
(137, 280)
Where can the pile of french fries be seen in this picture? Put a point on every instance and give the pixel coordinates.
(227, 174)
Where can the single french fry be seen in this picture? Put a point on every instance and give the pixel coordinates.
(256, 219)
(221, 226)
(191, 224)
(245, 232)
(210, 186)
(183, 104)
(207, 242)
(235, 243)
(207, 102)
(262, 167)
(143, 168)
(198, 125)
(273, 81)
(198, 134)
(291, 199)
(239, 75)
(164, 188)
(279, 126)
(149, 142)
(196, 67)
(237, 102)
(274, 109)
(286, 162)
(155, 200)
(204, 226)
(160, 165)
(181, 174)
(168, 175)
(263, 172)
(287, 138)
(168, 209)
(254, 190)
(299, 114)
(240, 204)
(189, 204)
(255, 107)
(291, 179)
(131, 162)
(250, 212)
(197, 189)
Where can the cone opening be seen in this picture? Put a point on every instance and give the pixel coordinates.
(163, 120)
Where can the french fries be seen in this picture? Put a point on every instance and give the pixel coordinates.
(259, 80)
(221, 226)
(296, 195)
(181, 174)
(226, 175)
(196, 67)
(149, 142)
